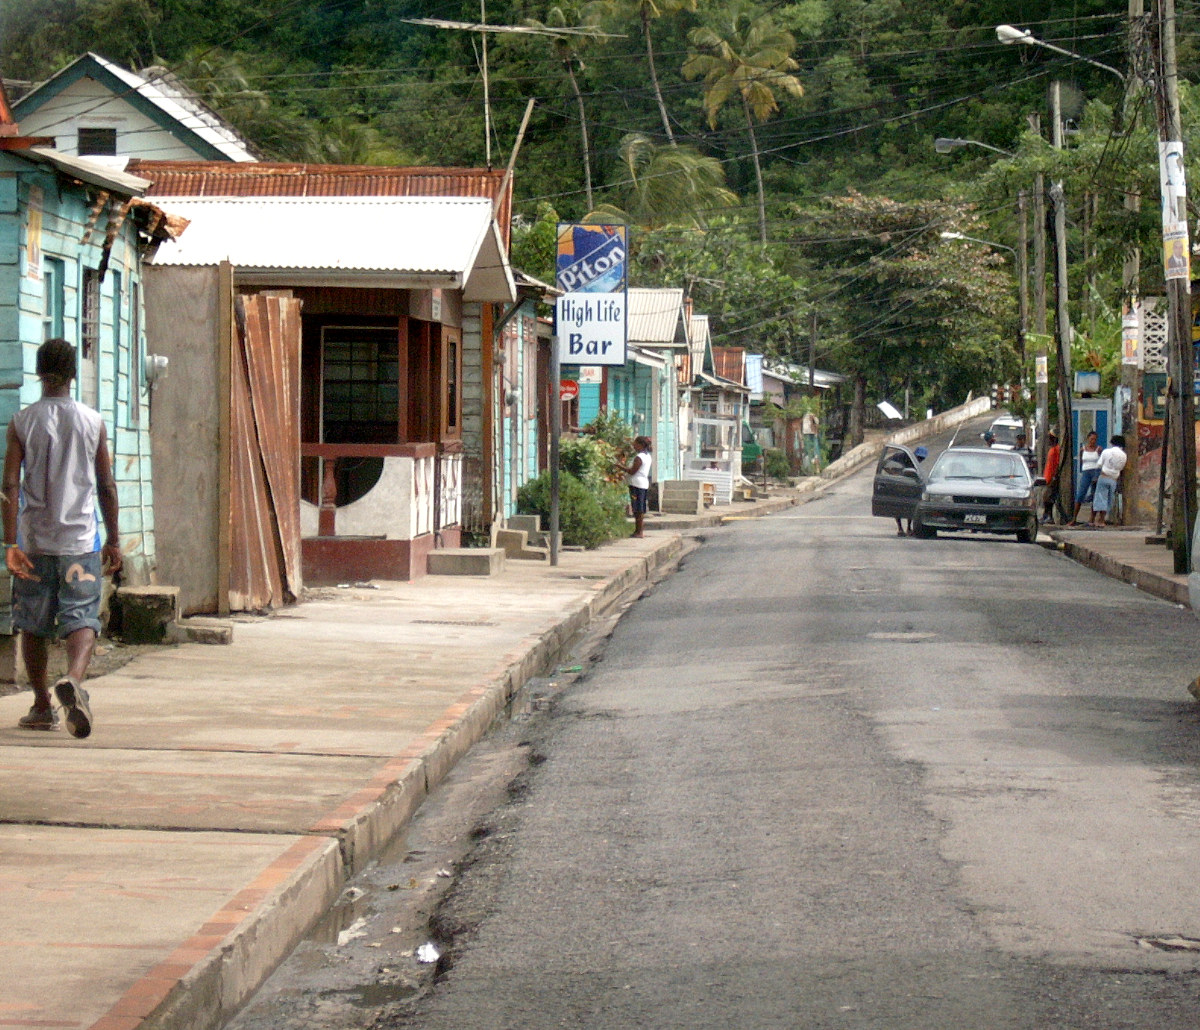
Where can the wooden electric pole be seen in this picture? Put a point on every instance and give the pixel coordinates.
(1180, 363)
(1062, 320)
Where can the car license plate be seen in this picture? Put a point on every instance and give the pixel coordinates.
(975, 519)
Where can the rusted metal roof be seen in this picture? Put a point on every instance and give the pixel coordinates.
(287, 179)
(730, 363)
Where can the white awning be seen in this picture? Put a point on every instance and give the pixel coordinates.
(392, 242)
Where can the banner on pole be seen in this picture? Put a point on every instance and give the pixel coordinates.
(1173, 182)
(1130, 335)
(591, 315)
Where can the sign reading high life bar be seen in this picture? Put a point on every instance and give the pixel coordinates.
(590, 315)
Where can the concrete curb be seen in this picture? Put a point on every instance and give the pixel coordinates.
(209, 977)
(1143, 579)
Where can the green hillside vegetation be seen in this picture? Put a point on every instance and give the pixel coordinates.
(773, 158)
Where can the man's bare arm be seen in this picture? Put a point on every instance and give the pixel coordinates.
(106, 494)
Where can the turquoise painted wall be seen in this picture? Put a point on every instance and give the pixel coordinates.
(33, 307)
(519, 421)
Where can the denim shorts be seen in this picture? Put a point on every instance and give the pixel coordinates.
(65, 596)
(639, 499)
(1087, 485)
(1106, 490)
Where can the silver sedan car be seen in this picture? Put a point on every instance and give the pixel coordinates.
(979, 490)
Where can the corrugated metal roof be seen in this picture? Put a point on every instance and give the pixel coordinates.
(286, 179)
(87, 171)
(447, 242)
(797, 375)
(730, 363)
(656, 317)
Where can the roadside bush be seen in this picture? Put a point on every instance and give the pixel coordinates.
(587, 517)
(776, 464)
(587, 459)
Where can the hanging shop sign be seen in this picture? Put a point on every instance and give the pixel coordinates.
(591, 314)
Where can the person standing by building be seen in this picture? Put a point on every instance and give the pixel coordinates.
(57, 462)
(1089, 470)
(639, 483)
(1112, 463)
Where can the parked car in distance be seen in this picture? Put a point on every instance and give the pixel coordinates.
(1004, 433)
(978, 490)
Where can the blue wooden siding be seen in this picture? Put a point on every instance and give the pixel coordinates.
(519, 424)
(28, 315)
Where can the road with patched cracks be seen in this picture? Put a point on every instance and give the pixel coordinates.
(820, 777)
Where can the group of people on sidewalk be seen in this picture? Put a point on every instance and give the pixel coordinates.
(1099, 477)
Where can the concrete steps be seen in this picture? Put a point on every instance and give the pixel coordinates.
(515, 544)
(681, 497)
(466, 561)
(532, 525)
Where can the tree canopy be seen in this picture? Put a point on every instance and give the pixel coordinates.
(775, 158)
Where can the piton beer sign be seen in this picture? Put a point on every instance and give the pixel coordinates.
(590, 315)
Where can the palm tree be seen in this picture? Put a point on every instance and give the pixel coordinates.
(748, 56)
(646, 11)
(666, 185)
(567, 48)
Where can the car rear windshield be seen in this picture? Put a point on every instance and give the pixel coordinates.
(1005, 434)
(993, 465)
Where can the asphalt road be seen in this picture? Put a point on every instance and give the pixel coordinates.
(828, 777)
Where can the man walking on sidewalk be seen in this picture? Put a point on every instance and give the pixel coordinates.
(51, 544)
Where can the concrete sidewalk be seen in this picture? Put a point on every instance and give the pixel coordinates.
(1124, 554)
(153, 874)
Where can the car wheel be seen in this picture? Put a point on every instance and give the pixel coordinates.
(923, 532)
(1029, 534)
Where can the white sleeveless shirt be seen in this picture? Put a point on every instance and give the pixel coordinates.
(60, 437)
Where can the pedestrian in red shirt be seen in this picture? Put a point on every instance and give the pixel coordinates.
(1050, 475)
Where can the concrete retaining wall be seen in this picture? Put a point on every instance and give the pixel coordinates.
(865, 453)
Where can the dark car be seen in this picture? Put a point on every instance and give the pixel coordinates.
(979, 490)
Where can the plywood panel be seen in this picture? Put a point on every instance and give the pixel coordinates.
(182, 319)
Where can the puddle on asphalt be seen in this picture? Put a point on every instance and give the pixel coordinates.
(376, 995)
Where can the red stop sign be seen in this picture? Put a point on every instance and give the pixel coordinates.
(568, 389)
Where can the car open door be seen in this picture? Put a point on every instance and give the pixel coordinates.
(899, 481)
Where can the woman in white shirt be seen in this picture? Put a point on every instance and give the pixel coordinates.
(1089, 472)
(639, 483)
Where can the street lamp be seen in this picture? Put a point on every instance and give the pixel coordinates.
(1008, 34)
(976, 239)
(944, 144)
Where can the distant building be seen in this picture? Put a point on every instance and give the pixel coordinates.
(97, 109)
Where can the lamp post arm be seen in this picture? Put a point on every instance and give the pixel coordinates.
(1077, 57)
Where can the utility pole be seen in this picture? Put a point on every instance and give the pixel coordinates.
(1039, 299)
(1131, 273)
(1022, 271)
(1180, 363)
(812, 352)
(1062, 315)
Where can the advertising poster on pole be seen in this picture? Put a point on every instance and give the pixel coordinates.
(1173, 182)
(591, 314)
(1130, 334)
